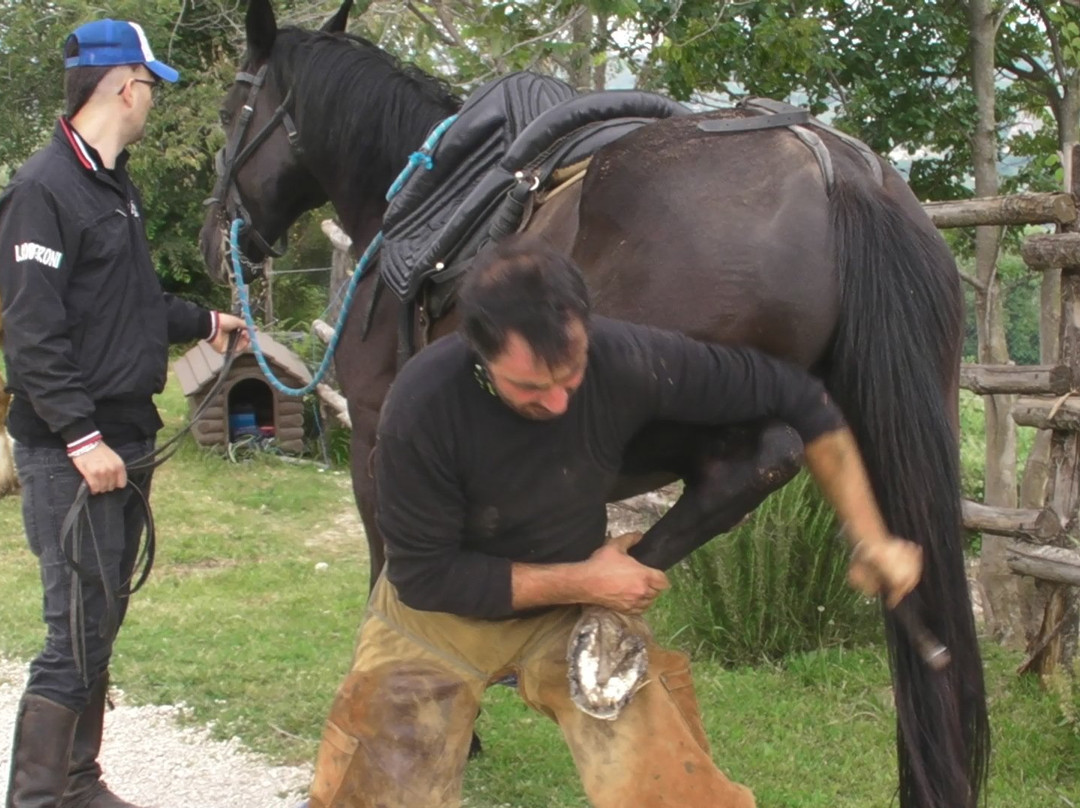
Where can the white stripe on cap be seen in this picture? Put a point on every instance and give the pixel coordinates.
(144, 43)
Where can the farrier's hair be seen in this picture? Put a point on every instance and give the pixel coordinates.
(523, 285)
(79, 82)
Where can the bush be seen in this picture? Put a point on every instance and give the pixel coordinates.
(775, 585)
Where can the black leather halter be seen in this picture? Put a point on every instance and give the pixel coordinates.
(235, 153)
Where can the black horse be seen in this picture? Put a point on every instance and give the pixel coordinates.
(730, 238)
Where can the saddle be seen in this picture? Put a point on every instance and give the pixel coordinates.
(506, 145)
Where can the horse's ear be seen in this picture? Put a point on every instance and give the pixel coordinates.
(261, 27)
(337, 23)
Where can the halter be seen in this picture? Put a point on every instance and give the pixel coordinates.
(232, 156)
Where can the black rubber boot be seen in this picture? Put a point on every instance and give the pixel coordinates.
(41, 753)
(85, 788)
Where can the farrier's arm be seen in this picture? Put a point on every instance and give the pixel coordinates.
(880, 562)
(609, 577)
(421, 513)
(696, 382)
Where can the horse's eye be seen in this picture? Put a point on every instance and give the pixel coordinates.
(225, 117)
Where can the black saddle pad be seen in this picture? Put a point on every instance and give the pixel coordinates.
(509, 136)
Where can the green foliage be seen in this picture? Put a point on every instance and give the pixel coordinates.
(775, 585)
(973, 446)
(1020, 291)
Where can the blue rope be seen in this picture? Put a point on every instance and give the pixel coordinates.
(418, 158)
(421, 156)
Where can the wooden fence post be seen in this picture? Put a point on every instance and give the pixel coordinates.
(1062, 250)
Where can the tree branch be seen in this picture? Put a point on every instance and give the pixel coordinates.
(558, 29)
(430, 23)
(175, 28)
(1035, 75)
(972, 281)
(446, 17)
(1055, 40)
(1000, 18)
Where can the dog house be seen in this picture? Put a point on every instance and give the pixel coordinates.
(245, 405)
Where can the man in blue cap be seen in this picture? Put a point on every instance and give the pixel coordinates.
(86, 334)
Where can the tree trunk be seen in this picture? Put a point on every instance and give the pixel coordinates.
(600, 68)
(581, 68)
(999, 585)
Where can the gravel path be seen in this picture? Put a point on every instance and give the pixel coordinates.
(154, 762)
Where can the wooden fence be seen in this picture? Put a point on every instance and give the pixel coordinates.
(1047, 392)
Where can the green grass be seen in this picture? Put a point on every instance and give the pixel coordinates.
(237, 622)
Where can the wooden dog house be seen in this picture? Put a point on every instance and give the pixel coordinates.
(245, 404)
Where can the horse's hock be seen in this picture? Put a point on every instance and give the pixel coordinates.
(245, 405)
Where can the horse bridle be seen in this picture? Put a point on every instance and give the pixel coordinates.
(235, 153)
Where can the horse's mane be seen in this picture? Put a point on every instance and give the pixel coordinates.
(362, 101)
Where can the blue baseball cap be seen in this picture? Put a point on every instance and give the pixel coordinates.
(106, 43)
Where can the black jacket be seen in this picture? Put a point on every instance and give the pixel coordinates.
(86, 324)
(466, 486)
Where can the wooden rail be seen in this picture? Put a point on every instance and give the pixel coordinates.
(1034, 525)
(1062, 413)
(1058, 564)
(1023, 379)
(1051, 208)
(1051, 251)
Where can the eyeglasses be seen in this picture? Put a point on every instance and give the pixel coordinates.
(155, 88)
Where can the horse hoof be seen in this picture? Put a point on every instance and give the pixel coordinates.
(608, 661)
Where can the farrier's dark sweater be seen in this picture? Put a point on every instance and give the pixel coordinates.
(466, 486)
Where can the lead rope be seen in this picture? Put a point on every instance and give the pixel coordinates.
(421, 157)
(78, 515)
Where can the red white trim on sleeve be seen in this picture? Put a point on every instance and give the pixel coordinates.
(84, 444)
(215, 325)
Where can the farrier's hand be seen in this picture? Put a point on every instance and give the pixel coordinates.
(102, 468)
(620, 582)
(890, 566)
(227, 323)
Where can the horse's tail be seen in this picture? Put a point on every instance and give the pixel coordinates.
(893, 371)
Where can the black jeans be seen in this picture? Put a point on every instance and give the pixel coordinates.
(49, 484)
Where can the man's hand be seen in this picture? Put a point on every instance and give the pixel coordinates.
(621, 582)
(102, 468)
(891, 567)
(227, 323)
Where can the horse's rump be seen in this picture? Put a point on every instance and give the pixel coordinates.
(723, 236)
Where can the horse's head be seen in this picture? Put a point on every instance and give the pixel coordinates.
(262, 176)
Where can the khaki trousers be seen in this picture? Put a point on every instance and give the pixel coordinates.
(399, 729)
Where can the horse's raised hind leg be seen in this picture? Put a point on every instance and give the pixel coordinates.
(731, 477)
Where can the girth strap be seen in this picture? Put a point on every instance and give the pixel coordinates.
(773, 106)
(768, 121)
(772, 114)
